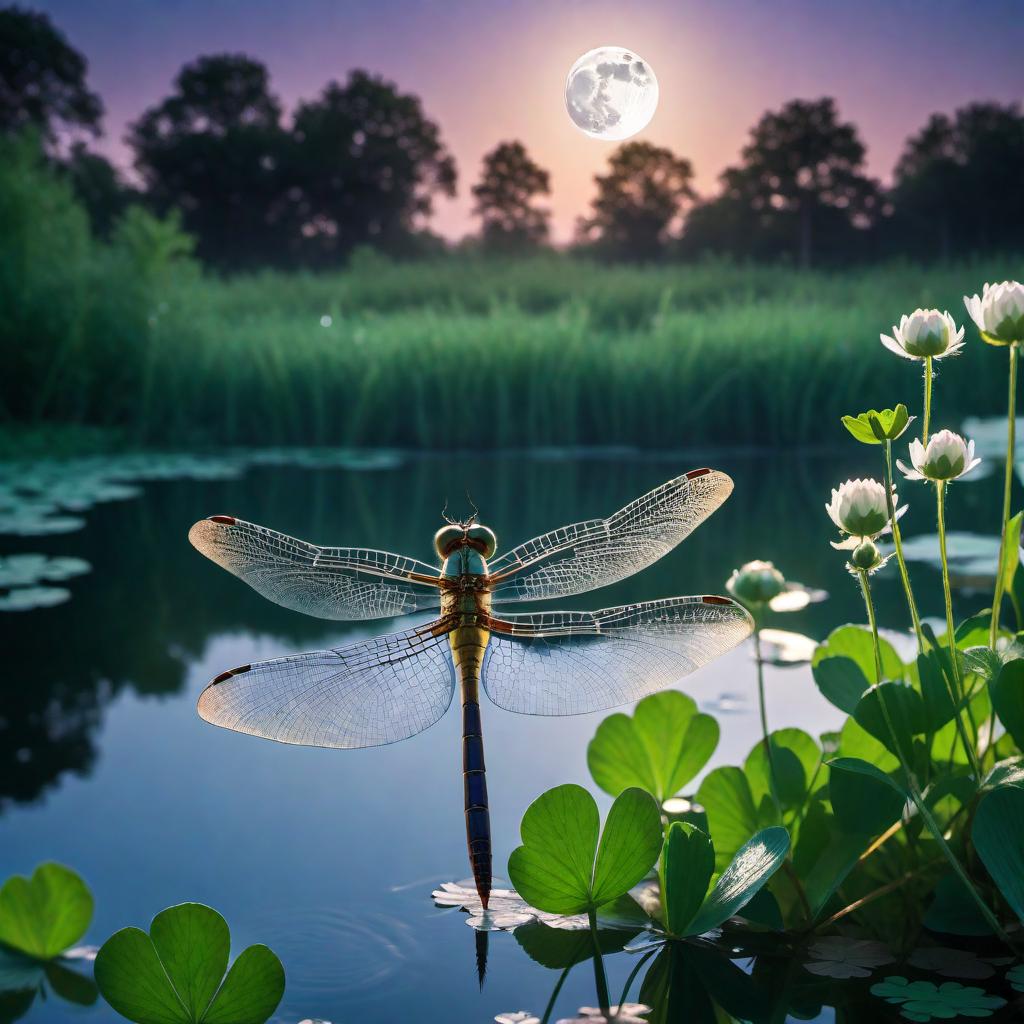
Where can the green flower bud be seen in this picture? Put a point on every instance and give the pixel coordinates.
(756, 583)
(866, 556)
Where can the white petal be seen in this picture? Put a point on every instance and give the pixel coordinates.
(894, 346)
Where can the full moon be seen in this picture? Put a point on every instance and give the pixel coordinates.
(611, 93)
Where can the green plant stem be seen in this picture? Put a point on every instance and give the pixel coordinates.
(633, 973)
(898, 541)
(927, 399)
(766, 736)
(1011, 431)
(549, 1009)
(958, 690)
(600, 979)
(865, 589)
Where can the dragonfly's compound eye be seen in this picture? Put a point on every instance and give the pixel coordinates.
(483, 539)
(447, 539)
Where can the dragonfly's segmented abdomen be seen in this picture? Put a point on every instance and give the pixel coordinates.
(469, 643)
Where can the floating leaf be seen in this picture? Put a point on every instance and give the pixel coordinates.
(45, 914)
(561, 869)
(923, 1000)
(755, 862)
(998, 836)
(26, 570)
(25, 599)
(174, 974)
(837, 956)
(864, 799)
(795, 598)
(783, 649)
(951, 963)
(1007, 692)
(665, 743)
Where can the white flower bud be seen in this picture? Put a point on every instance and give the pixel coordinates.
(926, 332)
(999, 312)
(947, 457)
(859, 508)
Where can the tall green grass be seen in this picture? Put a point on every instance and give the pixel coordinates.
(456, 353)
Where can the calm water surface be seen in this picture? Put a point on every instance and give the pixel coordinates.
(330, 856)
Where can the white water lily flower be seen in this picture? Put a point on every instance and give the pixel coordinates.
(926, 332)
(947, 457)
(999, 312)
(859, 508)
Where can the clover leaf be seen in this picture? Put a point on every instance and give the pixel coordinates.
(843, 666)
(894, 713)
(878, 426)
(923, 1000)
(43, 915)
(562, 869)
(175, 974)
(687, 864)
(659, 749)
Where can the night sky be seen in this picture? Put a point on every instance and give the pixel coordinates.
(493, 71)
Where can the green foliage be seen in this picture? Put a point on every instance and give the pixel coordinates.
(562, 869)
(43, 915)
(865, 800)
(1007, 694)
(659, 749)
(796, 760)
(998, 835)
(893, 712)
(175, 974)
(732, 814)
(687, 865)
(877, 427)
(844, 666)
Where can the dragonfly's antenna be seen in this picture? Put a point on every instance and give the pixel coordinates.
(476, 512)
(447, 518)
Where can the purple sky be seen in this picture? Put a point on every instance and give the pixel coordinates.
(488, 72)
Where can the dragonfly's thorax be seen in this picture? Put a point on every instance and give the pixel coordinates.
(467, 589)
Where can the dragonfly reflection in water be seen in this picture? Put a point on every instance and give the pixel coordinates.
(545, 663)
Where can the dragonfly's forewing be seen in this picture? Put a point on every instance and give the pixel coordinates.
(363, 695)
(329, 583)
(595, 553)
(571, 663)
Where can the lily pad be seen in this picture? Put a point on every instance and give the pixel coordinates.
(795, 598)
(784, 649)
(837, 956)
(561, 868)
(44, 915)
(659, 749)
(26, 570)
(175, 974)
(951, 963)
(25, 599)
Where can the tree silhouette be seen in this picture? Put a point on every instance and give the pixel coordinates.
(42, 79)
(802, 178)
(509, 184)
(958, 187)
(214, 149)
(365, 165)
(638, 201)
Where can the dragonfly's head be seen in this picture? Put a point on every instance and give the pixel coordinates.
(465, 535)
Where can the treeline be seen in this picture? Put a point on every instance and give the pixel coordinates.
(362, 165)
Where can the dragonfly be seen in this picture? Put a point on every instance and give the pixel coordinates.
(391, 687)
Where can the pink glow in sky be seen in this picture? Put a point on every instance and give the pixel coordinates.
(491, 72)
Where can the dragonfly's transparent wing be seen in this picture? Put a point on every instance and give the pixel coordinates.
(363, 695)
(597, 552)
(570, 663)
(330, 583)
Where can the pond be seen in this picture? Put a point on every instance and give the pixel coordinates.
(330, 857)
